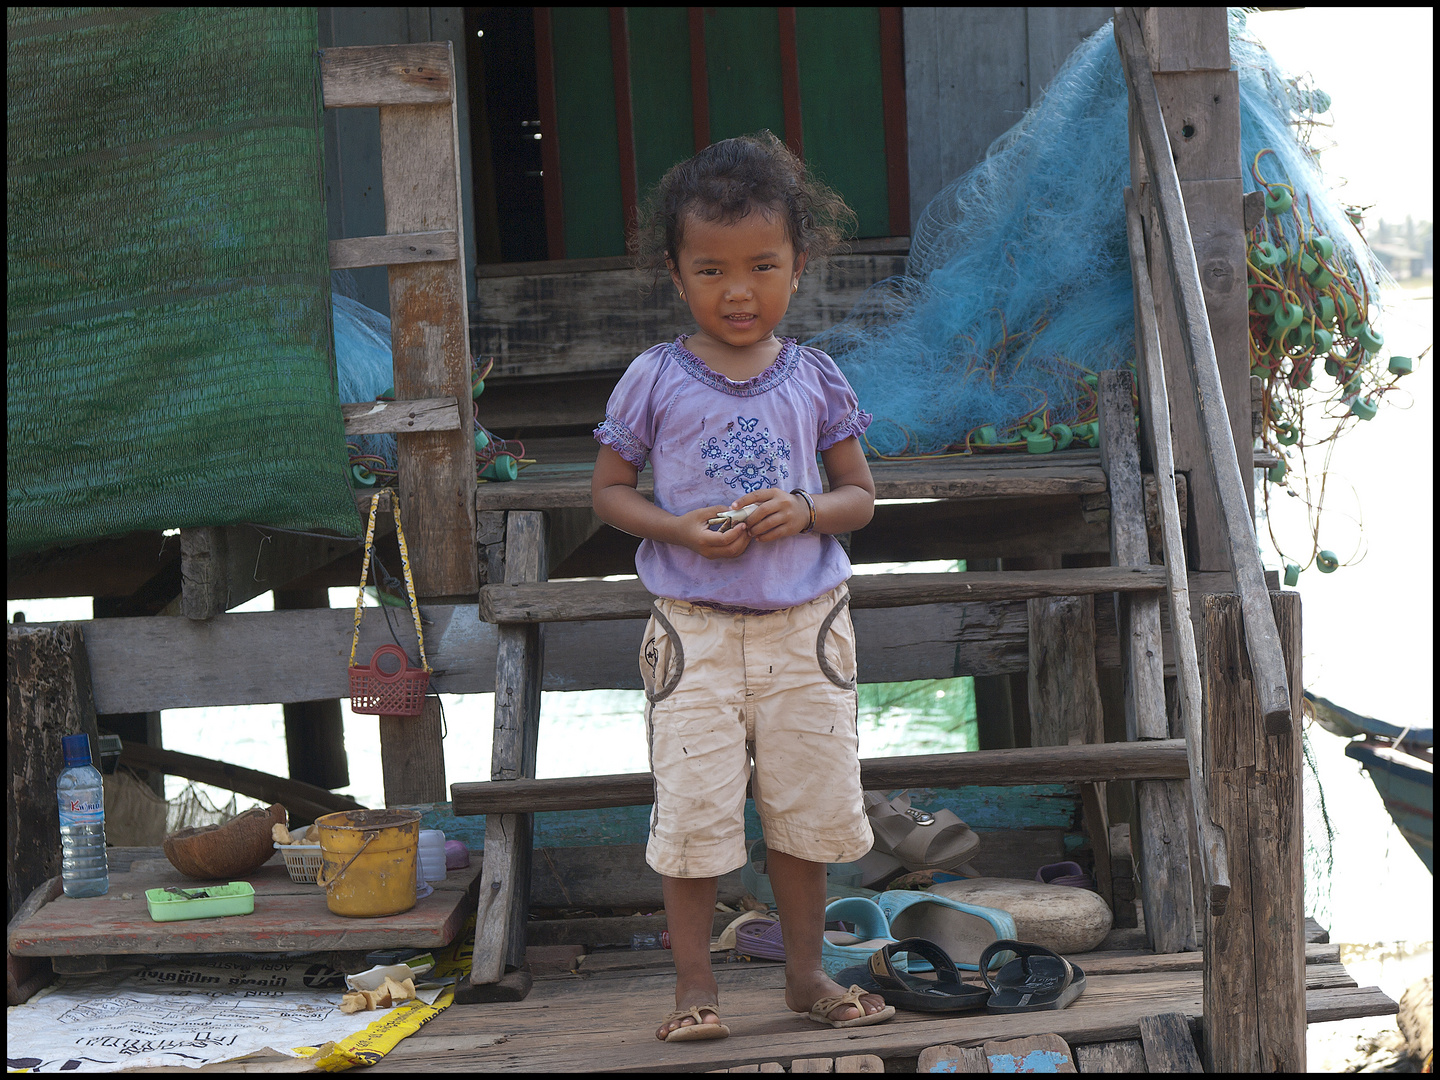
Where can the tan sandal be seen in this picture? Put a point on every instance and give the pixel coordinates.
(821, 1010)
(696, 1030)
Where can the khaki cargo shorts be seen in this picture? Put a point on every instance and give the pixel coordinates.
(722, 689)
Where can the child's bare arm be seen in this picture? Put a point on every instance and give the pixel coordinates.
(848, 505)
(617, 503)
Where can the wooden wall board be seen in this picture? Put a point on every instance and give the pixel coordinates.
(660, 90)
(587, 134)
(539, 323)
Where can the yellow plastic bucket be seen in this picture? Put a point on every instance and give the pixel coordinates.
(368, 858)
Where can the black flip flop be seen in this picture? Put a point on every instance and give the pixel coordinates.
(1036, 979)
(945, 994)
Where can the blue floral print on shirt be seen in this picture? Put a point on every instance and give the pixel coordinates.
(747, 458)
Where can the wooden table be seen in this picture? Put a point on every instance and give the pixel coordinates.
(79, 934)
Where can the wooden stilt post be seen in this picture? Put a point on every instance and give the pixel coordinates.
(1254, 987)
(499, 952)
(314, 730)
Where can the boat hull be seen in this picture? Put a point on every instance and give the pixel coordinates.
(1406, 784)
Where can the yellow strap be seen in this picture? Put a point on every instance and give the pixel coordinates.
(409, 581)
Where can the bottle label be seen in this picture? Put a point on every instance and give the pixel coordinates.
(78, 812)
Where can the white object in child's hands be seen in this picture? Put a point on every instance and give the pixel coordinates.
(728, 519)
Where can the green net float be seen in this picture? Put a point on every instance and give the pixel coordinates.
(1301, 370)
(1035, 426)
(1327, 562)
(1063, 434)
(985, 436)
(1276, 472)
(362, 475)
(1286, 435)
(1320, 101)
(1306, 262)
(1323, 340)
(1354, 324)
(1267, 254)
(1289, 315)
(502, 468)
(1267, 301)
(1278, 200)
(1400, 365)
(1321, 278)
(1275, 410)
(477, 387)
(1039, 444)
(1370, 339)
(481, 441)
(1092, 380)
(1325, 311)
(1322, 247)
(1331, 367)
(1092, 435)
(388, 392)
(1292, 574)
(1364, 408)
(1304, 336)
(1260, 371)
(1276, 333)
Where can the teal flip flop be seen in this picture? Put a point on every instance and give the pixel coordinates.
(962, 930)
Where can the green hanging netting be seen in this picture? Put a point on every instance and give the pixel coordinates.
(169, 352)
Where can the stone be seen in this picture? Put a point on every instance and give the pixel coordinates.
(1062, 918)
(1417, 1018)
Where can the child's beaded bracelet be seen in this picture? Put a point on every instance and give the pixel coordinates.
(811, 504)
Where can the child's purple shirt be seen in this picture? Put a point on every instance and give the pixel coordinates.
(711, 441)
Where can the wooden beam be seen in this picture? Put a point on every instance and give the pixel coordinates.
(624, 115)
(377, 417)
(572, 601)
(1254, 986)
(222, 566)
(897, 141)
(1081, 763)
(520, 662)
(417, 247)
(420, 168)
(790, 81)
(1261, 636)
(306, 801)
(1210, 837)
(370, 76)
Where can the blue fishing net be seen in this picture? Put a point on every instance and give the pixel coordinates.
(363, 364)
(1018, 282)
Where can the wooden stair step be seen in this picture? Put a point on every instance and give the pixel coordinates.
(1150, 759)
(569, 601)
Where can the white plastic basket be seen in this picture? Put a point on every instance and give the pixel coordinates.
(302, 861)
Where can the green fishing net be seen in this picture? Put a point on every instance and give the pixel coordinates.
(169, 352)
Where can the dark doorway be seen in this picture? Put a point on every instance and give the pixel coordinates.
(505, 134)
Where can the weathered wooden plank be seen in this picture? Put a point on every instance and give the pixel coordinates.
(375, 417)
(948, 1058)
(1121, 1056)
(204, 572)
(519, 664)
(549, 324)
(1187, 39)
(1169, 1046)
(356, 251)
(1254, 952)
(859, 1063)
(1081, 763)
(1009, 1055)
(420, 170)
(1210, 838)
(813, 1065)
(1202, 118)
(301, 799)
(1164, 865)
(366, 76)
(1180, 257)
(1064, 694)
(572, 601)
(1137, 616)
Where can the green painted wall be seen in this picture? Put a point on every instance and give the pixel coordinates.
(842, 115)
(660, 99)
(742, 62)
(588, 136)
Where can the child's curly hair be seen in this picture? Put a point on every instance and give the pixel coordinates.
(724, 183)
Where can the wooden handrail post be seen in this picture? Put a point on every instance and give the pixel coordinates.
(1260, 634)
(1254, 965)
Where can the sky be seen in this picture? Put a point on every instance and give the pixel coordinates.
(1378, 66)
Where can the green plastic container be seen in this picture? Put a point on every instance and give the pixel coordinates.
(211, 902)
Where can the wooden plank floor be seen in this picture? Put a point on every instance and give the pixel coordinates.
(603, 1018)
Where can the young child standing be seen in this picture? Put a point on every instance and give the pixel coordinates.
(749, 652)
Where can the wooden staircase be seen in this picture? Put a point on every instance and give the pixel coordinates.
(525, 601)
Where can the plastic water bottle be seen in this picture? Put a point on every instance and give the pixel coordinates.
(432, 854)
(84, 870)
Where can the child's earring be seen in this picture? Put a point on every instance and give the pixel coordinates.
(795, 286)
